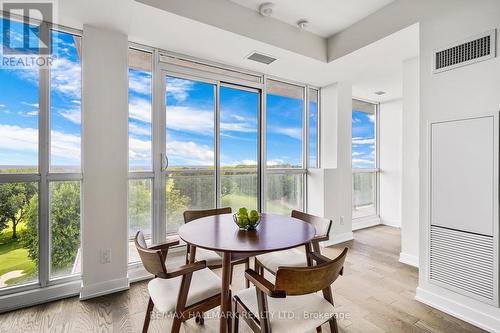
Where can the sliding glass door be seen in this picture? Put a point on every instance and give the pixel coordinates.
(209, 147)
(189, 163)
(239, 147)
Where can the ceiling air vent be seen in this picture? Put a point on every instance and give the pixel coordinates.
(466, 52)
(262, 58)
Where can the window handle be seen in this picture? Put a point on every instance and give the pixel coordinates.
(164, 161)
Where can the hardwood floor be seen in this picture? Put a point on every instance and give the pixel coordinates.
(376, 294)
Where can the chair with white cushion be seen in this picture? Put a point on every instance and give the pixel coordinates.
(294, 257)
(292, 304)
(213, 259)
(184, 293)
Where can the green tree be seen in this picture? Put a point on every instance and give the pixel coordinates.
(14, 199)
(177, 203)
(64, 225)
(139, 205)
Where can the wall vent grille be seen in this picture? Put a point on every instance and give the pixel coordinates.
(463, 262)
(469, 51)
(262, 58)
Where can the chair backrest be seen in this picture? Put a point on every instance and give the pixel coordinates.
(321, 225)
(190, 215)
(306, 280)
(152, 260)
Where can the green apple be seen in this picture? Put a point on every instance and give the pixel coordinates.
(242, 211)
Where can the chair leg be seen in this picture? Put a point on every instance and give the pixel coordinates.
(247, 266)
(333, 325)
(318, 329)
(257, 267)
(148, 316)
(176, 325)
(236, 318)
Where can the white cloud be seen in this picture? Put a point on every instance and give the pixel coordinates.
(357, 153)
(371, 117)
(139, 149)
(35, 105)
(139, 83)
(140, 109)
(75, 116)
(2, 105)
(275, 162)
(293, 132)
(32, 113)
(139, 130)
(242, 162)
(65, 145)
(190, 153)
(179, 88)
(182, 153)
(362, 141)
(361, 161)
(15, 138)
(66, 77)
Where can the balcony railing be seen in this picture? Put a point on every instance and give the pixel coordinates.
(364, 193)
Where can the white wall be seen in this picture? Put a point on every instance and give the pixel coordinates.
(105, 160)
(466, 91)
(390, 161)
(410, 176)
(330, 188)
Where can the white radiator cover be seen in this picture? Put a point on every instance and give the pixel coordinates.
(464, 220)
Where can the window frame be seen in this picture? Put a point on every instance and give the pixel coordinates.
(222, 75)
(376, 170)
(44, 176)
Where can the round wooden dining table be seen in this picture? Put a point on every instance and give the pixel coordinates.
(221, 234)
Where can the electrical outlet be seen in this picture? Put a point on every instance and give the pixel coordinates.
(105, 256)
(341, 220)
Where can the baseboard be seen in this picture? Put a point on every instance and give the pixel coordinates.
(104, 288)
(39, 295)
(469, 314)
(337, 239)
(391, 223)
(365, 222)
(408, 259)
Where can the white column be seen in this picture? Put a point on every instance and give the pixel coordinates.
(330, 188)
(105, 161)
(410, 184)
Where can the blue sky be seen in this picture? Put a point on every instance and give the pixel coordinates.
(19, 107)
(190, 124)
(190, 118)
(363, 140)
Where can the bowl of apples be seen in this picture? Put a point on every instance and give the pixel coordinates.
(245, 220)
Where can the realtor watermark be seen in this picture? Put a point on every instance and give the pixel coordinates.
(26, 34)
(272, 315)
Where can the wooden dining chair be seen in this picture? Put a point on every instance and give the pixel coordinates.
(292, 303)
(294, 257)
(213, 259)
(184, 292)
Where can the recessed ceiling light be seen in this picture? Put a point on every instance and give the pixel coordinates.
(266, 9)
(302, 24)
(380, 92)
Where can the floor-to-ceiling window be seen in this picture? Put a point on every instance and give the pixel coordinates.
(140, 145)
(196, 137)
(285, 157)
(364, 159)
(40, 162)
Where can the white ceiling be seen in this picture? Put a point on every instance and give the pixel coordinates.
(377, 66)
(326, 17)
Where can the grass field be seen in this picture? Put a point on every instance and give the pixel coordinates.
(14, 257)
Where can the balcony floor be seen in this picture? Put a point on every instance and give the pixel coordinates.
(376, 294)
